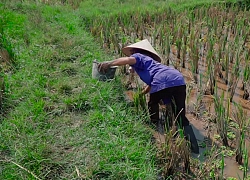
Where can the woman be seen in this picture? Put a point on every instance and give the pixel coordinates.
(163, 82)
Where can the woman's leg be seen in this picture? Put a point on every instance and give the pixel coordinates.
(153, 107)
(179, 96)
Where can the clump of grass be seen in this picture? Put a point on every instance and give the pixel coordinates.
(140, 101)
(70, 71)
(65, 89)
(174, 153)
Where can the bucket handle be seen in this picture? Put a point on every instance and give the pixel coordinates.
(95, 61)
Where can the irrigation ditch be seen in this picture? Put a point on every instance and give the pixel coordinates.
(210, 45)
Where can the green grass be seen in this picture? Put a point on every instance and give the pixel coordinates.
(58, 122)
(51, 132)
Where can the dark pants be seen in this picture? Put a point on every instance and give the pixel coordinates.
(177, 95)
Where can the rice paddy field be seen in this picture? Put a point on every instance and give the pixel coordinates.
(57, 122)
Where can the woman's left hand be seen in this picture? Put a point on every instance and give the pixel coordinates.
(104, 66)
(146, 90)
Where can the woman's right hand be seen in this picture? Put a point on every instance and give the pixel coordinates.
(104, 66)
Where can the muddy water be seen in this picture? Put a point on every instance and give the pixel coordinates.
(203, 134)
(232, 169)
(199, 121)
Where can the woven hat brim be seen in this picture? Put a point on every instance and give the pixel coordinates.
(144, 45)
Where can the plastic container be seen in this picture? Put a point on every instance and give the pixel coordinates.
(110, 74)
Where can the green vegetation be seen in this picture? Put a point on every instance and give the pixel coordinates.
(59, 123)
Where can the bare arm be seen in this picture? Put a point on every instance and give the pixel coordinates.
(117, 62)
(123, 61)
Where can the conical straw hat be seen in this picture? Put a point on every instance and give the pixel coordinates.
(145, 45)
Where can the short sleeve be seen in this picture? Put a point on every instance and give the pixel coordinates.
(140, 61)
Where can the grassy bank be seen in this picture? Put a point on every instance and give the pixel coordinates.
(57, 122)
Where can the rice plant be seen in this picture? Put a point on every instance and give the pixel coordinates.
(240, 116)
(245, 162)
(221, 120)
(246, 78)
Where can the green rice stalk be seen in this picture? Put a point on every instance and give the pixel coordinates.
(240, 140)
(222, 166)
(233, 88)
(240, 117)
(245, 164)
(215, 26)
(246, 74)
(154, 37)
(140, 99)
(226, 65)
(193, 69)
(168, 49)
(225, 39)
(195, 56)
(184, 52)
(179, 44)
(201, 82)
(179, 41)
(210, 71)
(175, 33)
(221, 121)
(234, 77)
(212, 76)
(211, 42)
(220, 50)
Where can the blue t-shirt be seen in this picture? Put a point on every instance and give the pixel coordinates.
(155, 74)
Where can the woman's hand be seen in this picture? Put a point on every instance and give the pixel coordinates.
(104, 66)
(146, 90)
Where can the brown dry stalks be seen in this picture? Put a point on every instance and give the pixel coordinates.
(174, 154)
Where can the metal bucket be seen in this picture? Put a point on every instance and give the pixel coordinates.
(110, 74)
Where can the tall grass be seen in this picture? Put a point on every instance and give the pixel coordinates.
(62, 123)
